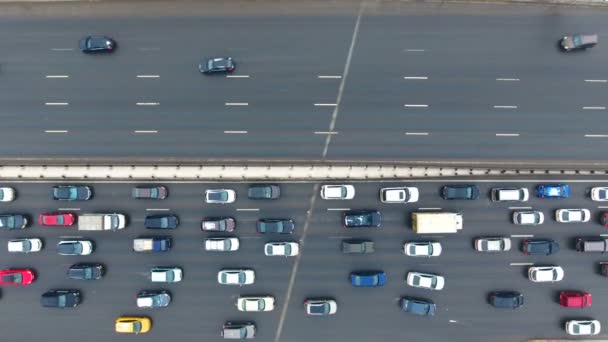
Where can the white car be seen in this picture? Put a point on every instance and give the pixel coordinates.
(583, 328)
(599, 194)
(166, 274)
(222, 244)
(572, 215)
(255, 304)
(7, 194)
(528, 218)
(541, 274)
(236, 277)
(337, 192)
(75, 247)
(425, 280)
(24, 245)
(422, 249)
(493, 244)
(320, 306)
(281, 249)
(399, 195)
(222, 196)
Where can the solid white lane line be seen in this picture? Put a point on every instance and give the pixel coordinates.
(415, 105)
(596, 81)
(145, 132)
(416, 78)
(325, 104)
(235, 132)
(326, 132)
(514, 208)
(237, 104)
(148, 103)
(523, 235)
(70, 209)
(247, 209)
(596, 135)
(507, 134)
(507, 79)
(505, 107)
(337, 209)
(416, 133)
(237, 76)
(429, 208)
(329, 77)
(157, 209)
(521, 264)
(55, 131)
(415, 50)
(148, 76)
(56, 103)
(62, 49)
(594, 108)
(57, 76)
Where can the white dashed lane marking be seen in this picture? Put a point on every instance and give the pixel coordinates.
(237, 104)
(56, 103)
(57, 76)
(329, 77)
(415, 105)
(55, 131)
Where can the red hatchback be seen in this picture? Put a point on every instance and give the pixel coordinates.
(16, 277)
(575, 299)
(56, 219)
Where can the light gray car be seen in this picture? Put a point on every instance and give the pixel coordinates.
(238, 330)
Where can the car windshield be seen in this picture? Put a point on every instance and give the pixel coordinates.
(219, 196)
(73, 192)
(60, 219)
(553, 191)
(287, 249)
(61, 300)
(136, 326)
(169, 275)
(210, 64)
(77, 248)
(578, 40)
(12, 278)
(164, 222)
(26, 245)
(88, 273)
(154, 192)
(241, 277)
(602, 194)
(554, 274)
(261, 305)
(10, 221)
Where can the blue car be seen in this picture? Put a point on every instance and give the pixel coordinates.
(552, 190)
(368, 279)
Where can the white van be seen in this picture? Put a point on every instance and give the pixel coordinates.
(510, 194)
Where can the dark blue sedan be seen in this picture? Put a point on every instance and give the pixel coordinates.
(418, 307)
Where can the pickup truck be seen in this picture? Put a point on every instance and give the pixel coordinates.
(101, 221)
(152, 244)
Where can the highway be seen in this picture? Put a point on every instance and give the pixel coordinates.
(336, 81)
(200, 305)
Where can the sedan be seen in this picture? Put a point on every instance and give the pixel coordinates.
(150, 192)
(572, 215)
(86, 271)
(60, 299)
(357, 247)
(75, 247)
(528, 218)
(425, 280)
(422, 249)
(264, 192)
(320, 306)
(221, 196)
(218, 224)
(460, 192)
(281, 249)
(25, 245)
(166, 274)
(553, 190)
(72, 193)
(541, 274)
(506, 299)
(56, 219)
(132, 325)
(368, 279)
(399, 195)
(583, 328)
(161, 222)
(217, 64)
(222, 244)
(362, 219)
(236, 277)
(337, 192)
(16, 277)
(13, 221)
(91, 44)
(539, 247)
(493, 244)
(419, 307)
(153, 299)
(7, 194)
(255, 304)
(277, 226)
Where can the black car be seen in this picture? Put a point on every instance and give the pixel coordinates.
(86, 271)
(506, 299)
(418, 307)
(460, 192)
(264, 191)
(97, 44)
(278, 226)
(13, 221)
(60, 299)
(161, 222)
(357, 246)
(217, 64)
(149, 192)
(578, 42)
(72, 192)
(362, 218)
(539, 247)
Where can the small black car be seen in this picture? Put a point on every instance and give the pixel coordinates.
(506, 299)
(418, 307)
(217, 64)
(13, 221)
(460, 192)
(86, 271)
(540, 247)
(60, 299)
(264, 191)
(362, 218)
(97, 44)
(161, 222)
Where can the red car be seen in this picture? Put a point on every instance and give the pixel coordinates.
(56, 219)
(16, 277)
(575, 299)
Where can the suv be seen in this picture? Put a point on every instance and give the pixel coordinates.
(264, 191)
(238, 330)
(149, 192)
(575, 299)
(539, 247)
(506, 299)
(460, 192)
(362, 218)
(578, 42)
(86, 271)
(161, 222)
(590, 245)
(75, 247)
(60, 299)
(509, 195)
(13, 221)
(357, 246)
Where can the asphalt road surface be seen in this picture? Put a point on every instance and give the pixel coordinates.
(200, 305)
(387, 81)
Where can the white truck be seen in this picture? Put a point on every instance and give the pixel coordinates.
(436, 222)
(101, 221)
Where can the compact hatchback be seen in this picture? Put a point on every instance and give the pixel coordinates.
(575, 299)
(320, 306)
(583, 328)
(422, 249)
(218, 224)
(56, 219)
(221, 196)
(153, 299)
(541, 274)
(528, 218)
(132, 325)
(552, 191)
(337, 192)
(399, 195)
(217, 64)
(367, 278)
(572, 215)
(238, 330)
(460, 192)
(7, 194)
(75, 247)
(599, 194)
(161, 222)
(425, 280)
(264, 192)
(92, 44)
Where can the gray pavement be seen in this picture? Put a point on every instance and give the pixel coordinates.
(201, 305)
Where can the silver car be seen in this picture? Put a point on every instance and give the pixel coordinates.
(572, 215)
(528, 218)
(422, 249)
(222, 244)
(222, 196)
(493, 244)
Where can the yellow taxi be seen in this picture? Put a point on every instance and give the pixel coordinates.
(133, 325)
